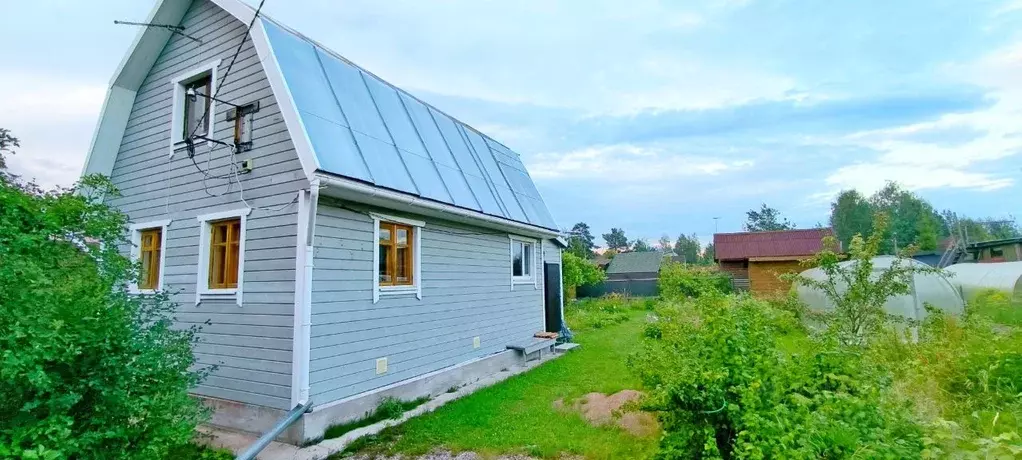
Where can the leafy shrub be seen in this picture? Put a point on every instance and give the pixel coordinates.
(88, 371)
(679, 281)
(578, 272)
(724, 389)
(597, 313)
(964, 376)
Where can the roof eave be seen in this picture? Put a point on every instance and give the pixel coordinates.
(360, 192)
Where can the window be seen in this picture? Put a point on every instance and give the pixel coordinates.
(395, 267)
(224, 244)
(996, 252)
(193, 110)
(149, 252)
(149, 246)
(397, 257)
(221, 268)
(522, 261)
(197, 105)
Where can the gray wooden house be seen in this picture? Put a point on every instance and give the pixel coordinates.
(344, 240)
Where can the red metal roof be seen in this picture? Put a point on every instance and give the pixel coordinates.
(736, 246)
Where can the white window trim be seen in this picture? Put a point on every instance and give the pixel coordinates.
(531, 278)
(136, 249)
(177, 106)
(416, 287)
(202, 290)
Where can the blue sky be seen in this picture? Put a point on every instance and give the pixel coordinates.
(651, 116)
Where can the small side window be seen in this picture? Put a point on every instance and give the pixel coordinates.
(996, 252)
(522, 256)
(150, 252)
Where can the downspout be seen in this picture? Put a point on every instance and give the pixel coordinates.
(308, 202)
(304, 364)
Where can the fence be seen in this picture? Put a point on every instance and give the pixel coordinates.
(638, 288)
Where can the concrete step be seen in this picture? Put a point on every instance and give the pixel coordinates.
(565, 347)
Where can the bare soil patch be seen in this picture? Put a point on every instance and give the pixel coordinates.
(600, 409)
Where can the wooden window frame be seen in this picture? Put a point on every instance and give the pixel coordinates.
(137, 252)
(219, 273)
(179, 85)
(414, 256)
(204, 288)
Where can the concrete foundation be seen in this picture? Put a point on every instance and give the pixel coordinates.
(310, 428)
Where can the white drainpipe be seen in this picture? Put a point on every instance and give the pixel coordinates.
(304, 254)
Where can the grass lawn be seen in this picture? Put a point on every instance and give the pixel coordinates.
(517, 416)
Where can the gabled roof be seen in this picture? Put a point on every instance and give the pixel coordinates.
(364, 128)
(784, 243)
(636, 262)
(347, 123)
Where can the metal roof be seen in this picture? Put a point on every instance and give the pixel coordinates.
(366, 129)
(636, 262)
(793, 243)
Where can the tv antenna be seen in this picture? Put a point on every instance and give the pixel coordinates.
(172, 28)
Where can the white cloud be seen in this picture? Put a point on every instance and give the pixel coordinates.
(628, 164)
(607, 57)
(54, 119)
(927, 165)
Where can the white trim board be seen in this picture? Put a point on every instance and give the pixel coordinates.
(416, 287)
(136, 241)
(178, 100)
(202, 289)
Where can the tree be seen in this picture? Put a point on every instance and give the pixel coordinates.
(7, 144)
(88, 370)
(665, 244)
(688, 248)
(850, 215)
(578, 271)
(616, 239)
(709, 254)
(765, 220)
(641, 245)
(581, 241)
(856, 290)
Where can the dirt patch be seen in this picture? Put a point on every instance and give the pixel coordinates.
(600, 409)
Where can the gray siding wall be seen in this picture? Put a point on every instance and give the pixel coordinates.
(466, 293)
(252, 343)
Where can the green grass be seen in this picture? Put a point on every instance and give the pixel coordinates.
(389, 408)
(517, 416)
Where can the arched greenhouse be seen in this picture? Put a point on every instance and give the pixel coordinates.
(930, 288)
(974, 278)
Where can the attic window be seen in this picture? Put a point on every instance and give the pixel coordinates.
(192, 104)
(196, 106)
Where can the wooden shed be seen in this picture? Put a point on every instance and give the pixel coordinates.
(756, 259)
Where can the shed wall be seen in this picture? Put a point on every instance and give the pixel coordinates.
(251, 344)
(763, 276)
(466, 276)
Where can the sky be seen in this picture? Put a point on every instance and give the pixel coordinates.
(657, 117)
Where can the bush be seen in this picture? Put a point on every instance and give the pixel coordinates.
(724, 389)
(578, 272)
(88, 371)
(964, 376)
(679, 281)
(597, 313)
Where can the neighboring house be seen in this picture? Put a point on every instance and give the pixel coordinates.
(755, 259)
(1007, 250)
(365, 244)
(635, 266)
